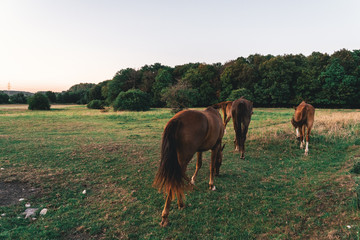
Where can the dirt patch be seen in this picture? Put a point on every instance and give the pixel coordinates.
(11, 192)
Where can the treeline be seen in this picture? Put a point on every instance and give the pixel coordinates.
(269, 81)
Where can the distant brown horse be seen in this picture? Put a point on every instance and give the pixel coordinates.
(303, 118)
(188, 132)
(226, 110)
(241, 112)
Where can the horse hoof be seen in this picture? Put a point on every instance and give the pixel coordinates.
(213, 188)
(164, 222)
(192, 182)
(306, 153)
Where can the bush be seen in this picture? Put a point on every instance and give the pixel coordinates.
(95, 104)
(39, 102)
(356, 168)
(133, 99)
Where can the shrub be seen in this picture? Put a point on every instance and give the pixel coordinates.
(356, 168)
(96, 104)
(39, 102)
(133, 99)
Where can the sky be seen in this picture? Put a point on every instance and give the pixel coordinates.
(50, 45)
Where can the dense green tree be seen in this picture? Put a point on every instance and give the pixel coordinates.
(51, 96)
(180, 96)
(96, 92)
(148, 75)
(163, 80)
(18, 98)
(123, 81)
(203, 78)
(284, 80)
(4, 98)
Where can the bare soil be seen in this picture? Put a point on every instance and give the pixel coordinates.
(11, 192)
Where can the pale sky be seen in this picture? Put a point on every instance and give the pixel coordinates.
(55, 44)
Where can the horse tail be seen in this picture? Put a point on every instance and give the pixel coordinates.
(237, 114)
(302, 120)
(170, 175)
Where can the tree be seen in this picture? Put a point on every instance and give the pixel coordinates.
(123, 80)
(4, 98)
(162, 81)
(180, 96)
(18, 98)
(204, 78)
(39, 102)
(51, 96)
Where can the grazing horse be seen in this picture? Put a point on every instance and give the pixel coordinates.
(303, 118)
(188, 132)
(241, 112)
(226, 110)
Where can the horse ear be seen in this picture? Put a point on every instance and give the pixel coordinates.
(222, 148)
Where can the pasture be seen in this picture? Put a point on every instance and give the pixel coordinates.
(274, 193)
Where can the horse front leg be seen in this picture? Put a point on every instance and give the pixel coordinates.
(198, 166)
(165, 213)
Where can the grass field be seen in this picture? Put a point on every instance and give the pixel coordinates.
(275, 193)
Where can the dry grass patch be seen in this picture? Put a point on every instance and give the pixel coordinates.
(337, 123)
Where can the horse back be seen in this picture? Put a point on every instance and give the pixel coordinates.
(199, 130)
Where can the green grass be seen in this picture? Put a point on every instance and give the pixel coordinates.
(275, 193)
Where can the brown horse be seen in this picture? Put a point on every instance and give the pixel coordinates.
(188, 132)
(226, 110)
(303, 118)
(241, 112)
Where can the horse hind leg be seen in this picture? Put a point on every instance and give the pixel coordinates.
(307, 141)
(214, 153)
(165, 213)
(198, 166)
(302, 137)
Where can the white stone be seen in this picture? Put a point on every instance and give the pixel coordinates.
(30, 212)
(43, 211)
(21, 199)
(84, 192)
(27, 205)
